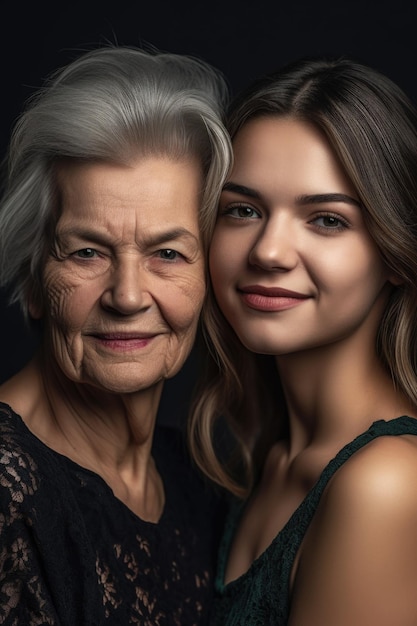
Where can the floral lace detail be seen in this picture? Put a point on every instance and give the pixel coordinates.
(71, 554)
(18, 472)
(147, 606)
(18, 478)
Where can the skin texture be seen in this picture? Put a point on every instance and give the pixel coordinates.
(298, 276)
(123, 286)
(124, 281)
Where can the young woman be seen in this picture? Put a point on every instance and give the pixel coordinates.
(312, 326)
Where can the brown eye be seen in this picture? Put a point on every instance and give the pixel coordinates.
(242, 211)
(245, 211)
(329, 222)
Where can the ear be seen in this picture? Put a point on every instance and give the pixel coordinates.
(395, 279)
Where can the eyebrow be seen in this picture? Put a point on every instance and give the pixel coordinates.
(153, 239)
(167, 235)
(242, 190)
(319, 198)
(322, 198)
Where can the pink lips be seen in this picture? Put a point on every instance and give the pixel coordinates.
(270, 298)
(124, 342)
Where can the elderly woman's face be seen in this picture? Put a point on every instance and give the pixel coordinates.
(124, 283)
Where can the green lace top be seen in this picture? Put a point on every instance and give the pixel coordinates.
(261, 597)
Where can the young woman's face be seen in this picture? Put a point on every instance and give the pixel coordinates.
(292, 264)
(124, 283)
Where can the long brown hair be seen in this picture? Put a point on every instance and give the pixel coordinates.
(372, 127)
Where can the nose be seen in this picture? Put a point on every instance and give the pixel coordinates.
(127, 290)
(275, 246)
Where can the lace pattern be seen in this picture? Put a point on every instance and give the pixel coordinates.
(72, 554)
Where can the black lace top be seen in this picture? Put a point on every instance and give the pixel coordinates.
(261, 596)
(72, 554)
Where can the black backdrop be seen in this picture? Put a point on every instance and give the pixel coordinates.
(243, 39)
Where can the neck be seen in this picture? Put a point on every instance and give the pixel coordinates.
(106, 433)
(337, 391)
(94, 428)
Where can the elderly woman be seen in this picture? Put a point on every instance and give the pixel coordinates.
(113, 175)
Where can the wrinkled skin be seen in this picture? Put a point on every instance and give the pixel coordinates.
(124, 282)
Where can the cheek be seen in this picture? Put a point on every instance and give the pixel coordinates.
(62, 299)
(226, 266)
(351, 284)
(222, 260)
(182, 300)
(350, 267)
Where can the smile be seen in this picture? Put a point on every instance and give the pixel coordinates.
(271, 299)
(124, 341)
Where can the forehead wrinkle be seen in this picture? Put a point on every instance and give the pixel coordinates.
(84, 232)
(146, 239)
(172, 234)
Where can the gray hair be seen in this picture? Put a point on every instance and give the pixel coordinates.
(111, 104)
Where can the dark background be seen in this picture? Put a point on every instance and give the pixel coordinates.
(243, 39)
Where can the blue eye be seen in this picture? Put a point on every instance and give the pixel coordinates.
(168, 254)
(86, 253)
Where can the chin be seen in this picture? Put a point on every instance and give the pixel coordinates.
(123, 387)
(119, 382)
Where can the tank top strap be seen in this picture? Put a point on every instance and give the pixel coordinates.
(403, 425)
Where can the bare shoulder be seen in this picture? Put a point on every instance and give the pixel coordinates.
(382, 473)
(364, 537)
(374, 491)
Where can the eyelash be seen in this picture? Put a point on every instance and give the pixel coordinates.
(343, 224)
(228, 212)
(77, 253)
(178, 255)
